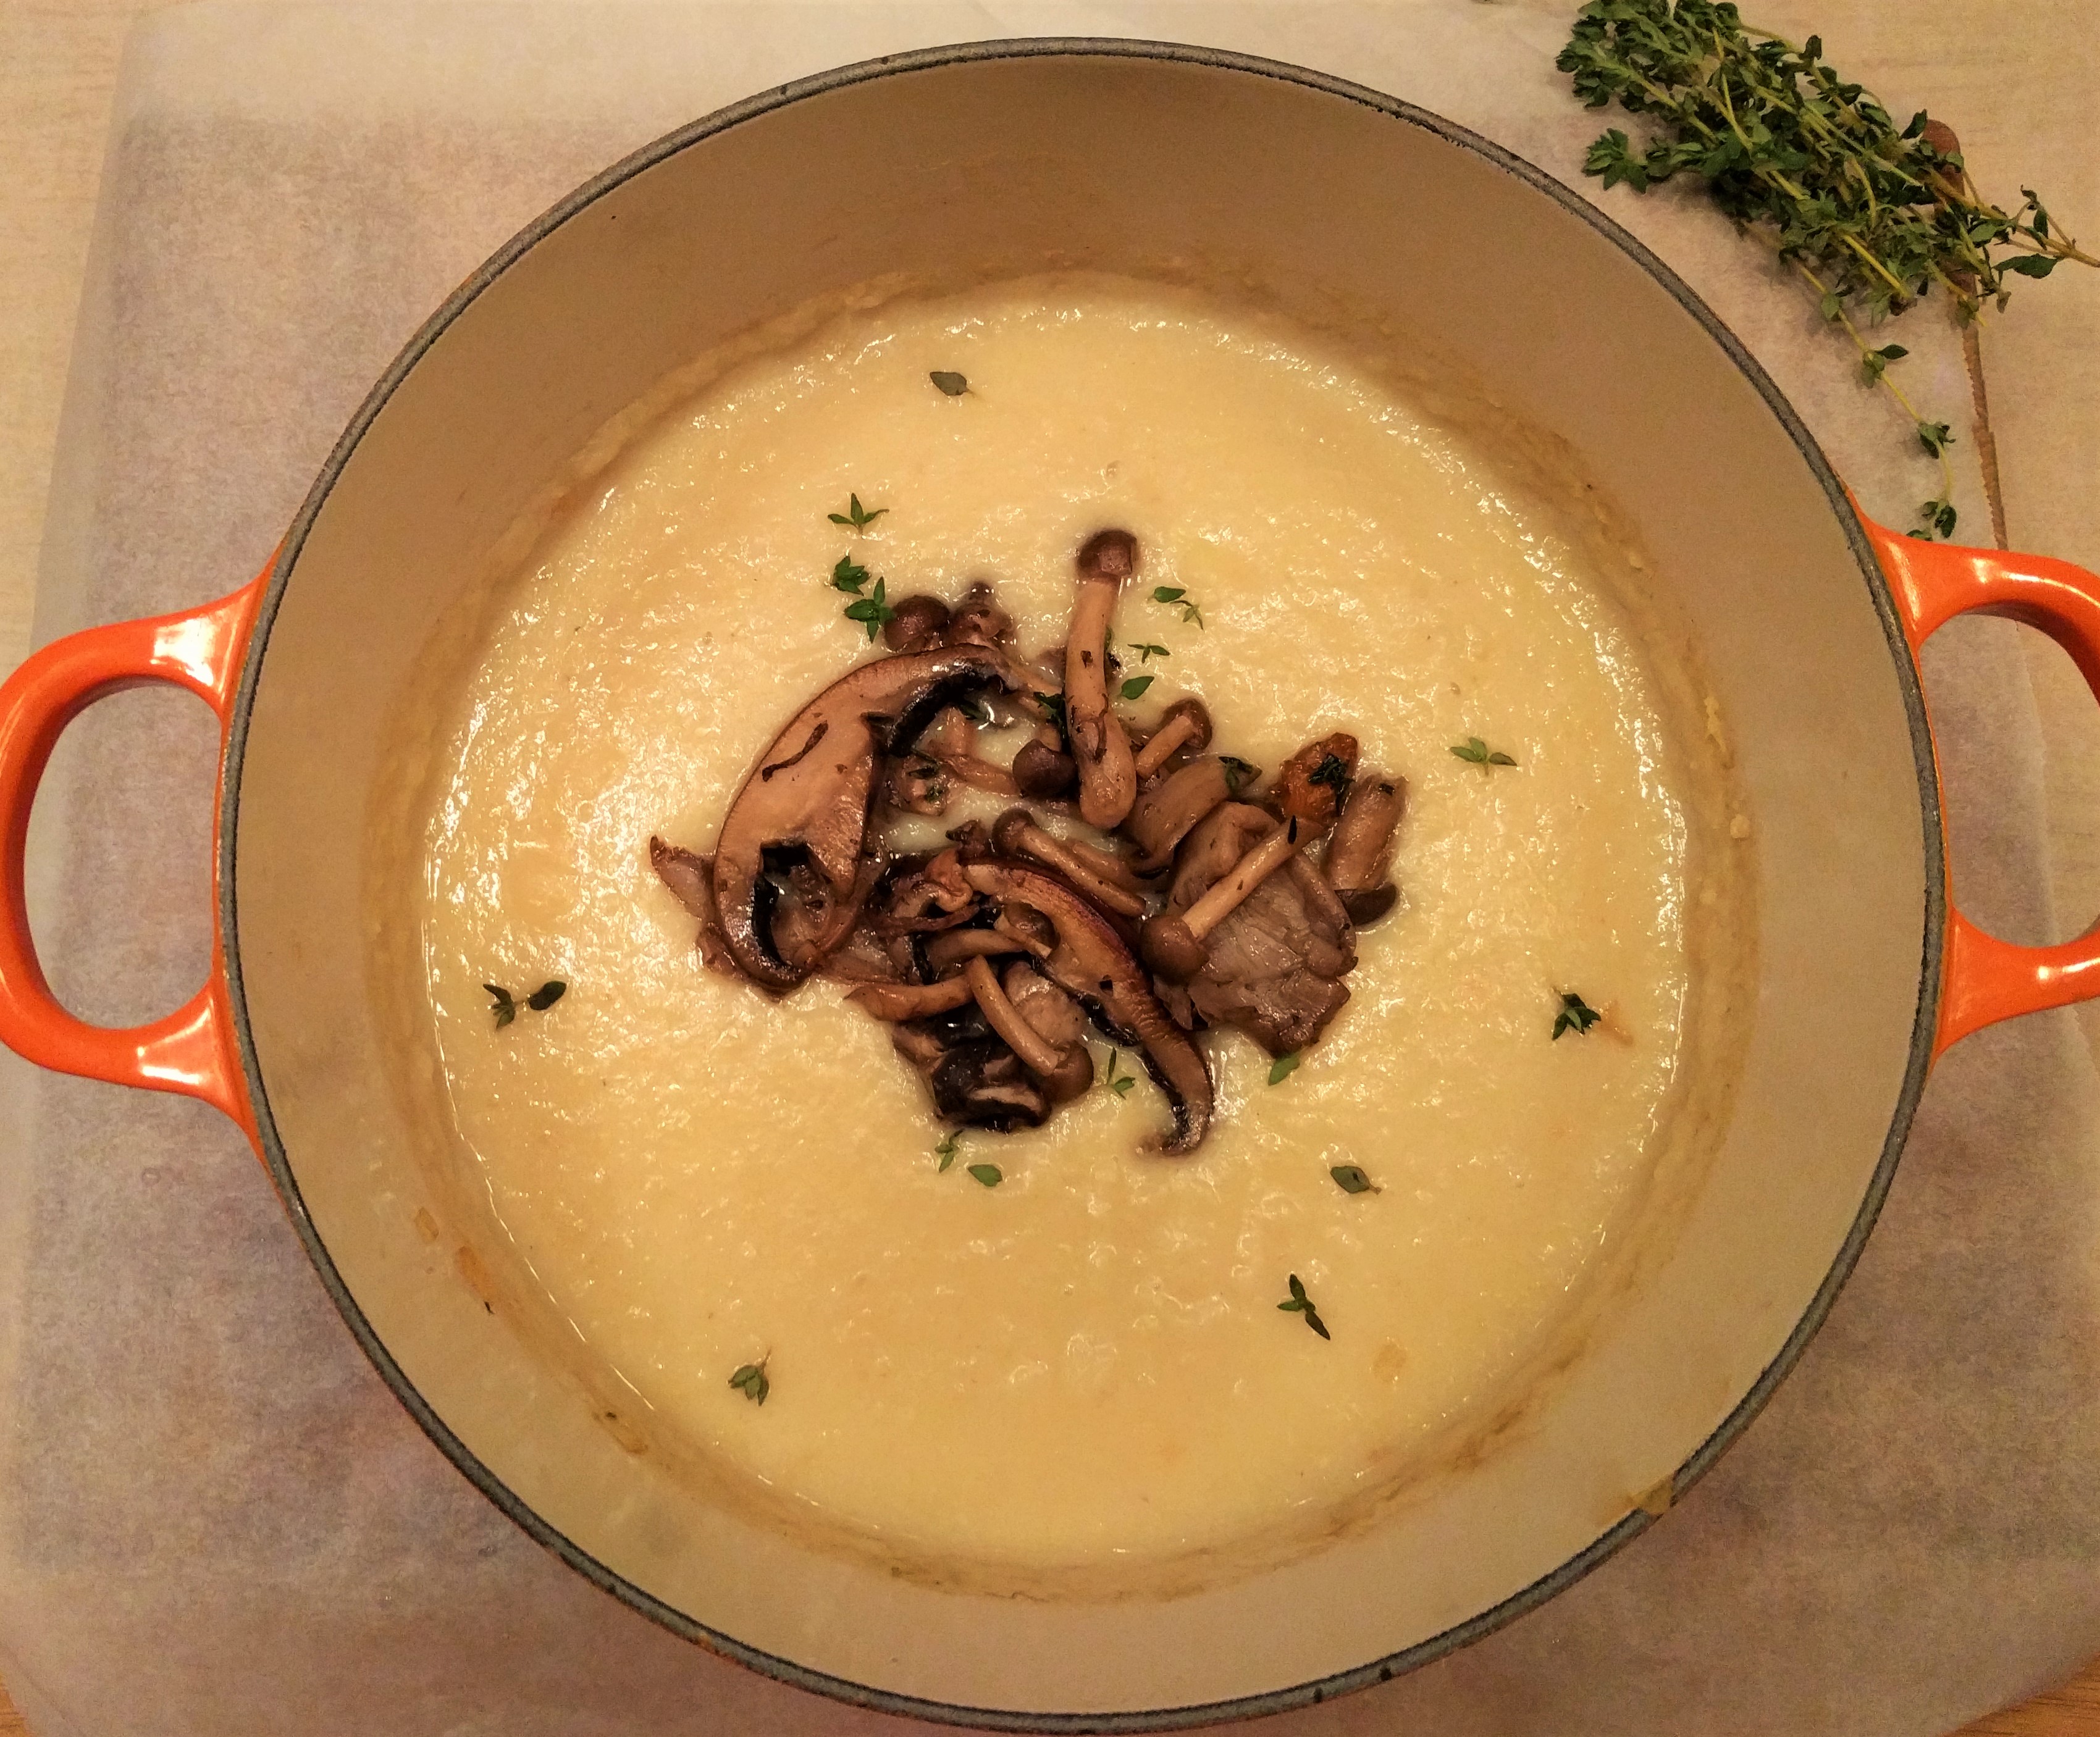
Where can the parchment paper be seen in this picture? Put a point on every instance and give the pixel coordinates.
(212, 1517)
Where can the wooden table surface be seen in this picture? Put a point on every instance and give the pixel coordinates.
(58, 66)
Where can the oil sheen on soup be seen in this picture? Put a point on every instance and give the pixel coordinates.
(1087, 1356)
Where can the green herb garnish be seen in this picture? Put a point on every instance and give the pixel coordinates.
(541, 998)
(1284, 1066)
(986, 1174)
(1299, 1303)
(1178, 594)
(1869, 215)
(1333, 772)
(1351, 1180)
(1120, 1085)
(1146, 654)
(856, 516)
(946, 1153)
(872, 611)
(1472, 748)
(951, 385)
(849, 576)
(1239, 773)
(1576, 1014)
(751, 1379)
(1053, 709)
(1136, 685)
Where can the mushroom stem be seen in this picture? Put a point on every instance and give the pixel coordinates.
(1186, 723)
(1016, 834)
(946, 950)
(1248, 873)
(1107, 778)
(1172, 942)
(1038, 1054)
(894, 1002)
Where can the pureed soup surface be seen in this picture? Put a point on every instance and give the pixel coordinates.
(1087, 1361)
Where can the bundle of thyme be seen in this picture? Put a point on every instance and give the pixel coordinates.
(1870, 215)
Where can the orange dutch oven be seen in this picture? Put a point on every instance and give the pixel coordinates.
(1119, 155)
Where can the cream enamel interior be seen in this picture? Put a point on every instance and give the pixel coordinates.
(1149, 167)
(1088, 1368)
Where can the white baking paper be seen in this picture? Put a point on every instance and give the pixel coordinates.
(213, 1519)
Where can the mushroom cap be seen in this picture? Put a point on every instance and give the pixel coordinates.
(1198, 714)
(1010, 830)
(1074, 1076)
(1171, 948)
(915, 622)
(978, 621)
(1366, 904)
(1044, 772)
(1110, 554)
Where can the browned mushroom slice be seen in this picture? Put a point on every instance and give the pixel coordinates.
(1092, 963)
(806, 803)
(1312, 784)
(902, 1001)
(976, 1081)
(1108, 779)
(690, 877)
(1273, 967)
(1360, 854)
(1171, 807)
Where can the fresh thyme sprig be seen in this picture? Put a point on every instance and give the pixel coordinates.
(1869, 215)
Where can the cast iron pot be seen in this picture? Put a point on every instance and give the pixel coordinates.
(1113, 155)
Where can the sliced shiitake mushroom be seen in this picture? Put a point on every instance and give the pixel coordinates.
(1170, 808)
(806, 803)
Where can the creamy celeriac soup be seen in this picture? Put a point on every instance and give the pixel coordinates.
(1061, 1347)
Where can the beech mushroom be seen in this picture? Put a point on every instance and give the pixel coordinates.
(1092, 965)
(1172, 942)
(1169, 809)
(805, 805)
(1064, 1073)
(1044, 771)
(691, 879)
(916, 623)
(895, 1002)
(1186, 724)
(945, 951)
(1360, 854)
(1107, 778)
(978, 621)
(1015, 833)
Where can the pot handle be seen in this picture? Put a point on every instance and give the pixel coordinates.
(1983, 979)
(192, 1050)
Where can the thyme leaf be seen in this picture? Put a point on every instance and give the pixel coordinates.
(1136, 686)
(952, 385)
(750, 1379)
(946, 1153)
(1351, 1180)
(1576, 1014)
(872, 611)
(986, 1174)
(849, 576)
(1473, 749)
(1299, 1303)
(1284, 1066)
(856, 516)
(1120, 1085)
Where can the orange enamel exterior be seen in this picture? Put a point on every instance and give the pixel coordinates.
(1984, 980)
(192, 1050)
